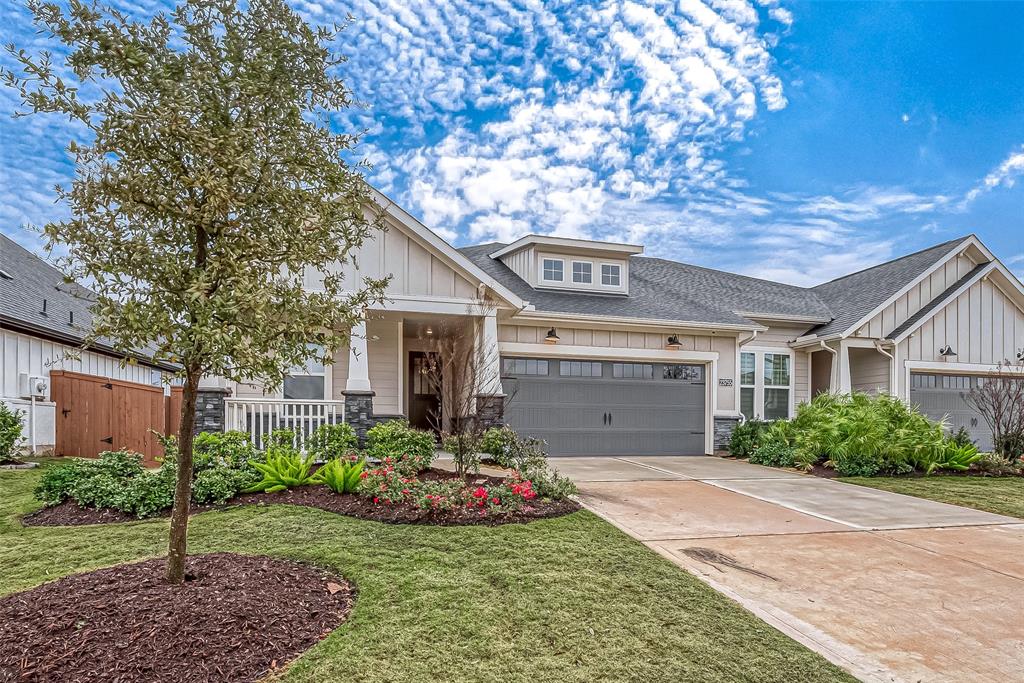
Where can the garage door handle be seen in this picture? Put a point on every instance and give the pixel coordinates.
(609, 419)
(604, 418)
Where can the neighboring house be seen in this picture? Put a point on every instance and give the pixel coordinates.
(43, 322)
(605, 351)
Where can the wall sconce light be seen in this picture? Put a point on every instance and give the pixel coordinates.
(552, 337)
(946, 352)
(1020, 355)
(673, 342)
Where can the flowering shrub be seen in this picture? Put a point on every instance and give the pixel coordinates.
(386, 485)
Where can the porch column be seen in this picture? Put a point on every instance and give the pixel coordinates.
(490, 371)
(358, 393)
(490, 400)
(358, 360)
(845, 383)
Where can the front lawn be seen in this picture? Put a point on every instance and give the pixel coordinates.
(1001, 495)
(567, 599)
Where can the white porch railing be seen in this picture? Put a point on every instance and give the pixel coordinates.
(260, 417)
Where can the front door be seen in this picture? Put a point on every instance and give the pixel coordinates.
(424, 400)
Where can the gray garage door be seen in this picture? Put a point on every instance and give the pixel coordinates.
(604, 408)
(942, 396)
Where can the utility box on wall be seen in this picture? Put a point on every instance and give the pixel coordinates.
(33, 386)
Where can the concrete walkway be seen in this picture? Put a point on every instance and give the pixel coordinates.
(891, 587)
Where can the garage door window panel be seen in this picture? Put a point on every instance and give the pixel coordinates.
(632, 371)
(576, 368)
(524, 366)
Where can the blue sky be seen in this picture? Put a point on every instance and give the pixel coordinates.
(790, 140)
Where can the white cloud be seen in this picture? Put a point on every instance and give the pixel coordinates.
(1004, 175)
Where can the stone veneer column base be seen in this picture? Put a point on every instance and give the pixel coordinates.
(210, 410)
(723, 431)
(490, 410)
(359, 412)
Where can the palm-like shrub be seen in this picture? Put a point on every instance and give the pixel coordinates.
(862, 435)
(285, 468)
(341, 475)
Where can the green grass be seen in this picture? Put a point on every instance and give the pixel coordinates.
(1001, 495)
(568, 599)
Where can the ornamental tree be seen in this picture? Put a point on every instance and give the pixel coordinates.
(210, 187)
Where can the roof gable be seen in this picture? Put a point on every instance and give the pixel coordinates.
(857, 297)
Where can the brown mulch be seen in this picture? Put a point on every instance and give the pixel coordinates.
(69, 513)
(236, 619)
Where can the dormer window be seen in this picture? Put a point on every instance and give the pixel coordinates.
(553, 270)
(582, 272)
(611, 275)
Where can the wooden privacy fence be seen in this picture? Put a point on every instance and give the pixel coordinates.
(96, 414)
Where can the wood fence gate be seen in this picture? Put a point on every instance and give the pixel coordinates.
(96, 414)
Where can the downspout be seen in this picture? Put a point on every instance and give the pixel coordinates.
(834, 375)
(892, 365)
(740, 345)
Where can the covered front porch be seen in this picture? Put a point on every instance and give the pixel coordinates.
(389, 371)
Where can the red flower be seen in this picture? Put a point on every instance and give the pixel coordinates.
(376, 499)
(480, 492)
(364, 475)
(495, 501)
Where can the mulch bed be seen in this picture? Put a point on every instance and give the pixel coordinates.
(69, 513)
(236, 618)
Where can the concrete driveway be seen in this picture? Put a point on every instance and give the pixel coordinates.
(892, 588)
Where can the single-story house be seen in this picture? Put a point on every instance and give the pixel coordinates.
(43, 322)
(604, 351)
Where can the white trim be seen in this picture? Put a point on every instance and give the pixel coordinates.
(440, 306)
(960, 247)
(403, 368)
(783, 317)
(449, 253)
(542, 277)
(528, 316)
(603, 353)
(759, 385)
(567, 243)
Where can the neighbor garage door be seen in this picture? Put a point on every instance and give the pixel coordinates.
(583, 407)
(943, 396)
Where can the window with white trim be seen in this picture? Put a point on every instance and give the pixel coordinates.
(582, 272)
(766, 384)
(309, 382)
(611, 275)
(553, 270)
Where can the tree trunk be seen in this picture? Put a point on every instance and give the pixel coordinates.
(176, 549)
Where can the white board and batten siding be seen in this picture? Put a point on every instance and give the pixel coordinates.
(982, 325)
(896, 313)
(414, 270)
(22, 353)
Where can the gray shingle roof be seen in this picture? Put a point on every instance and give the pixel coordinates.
(665, 290)
(32, 280)
(648, 295)
(853, 296)
(669, 290)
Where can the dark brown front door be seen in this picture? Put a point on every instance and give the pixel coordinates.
(424, 401)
